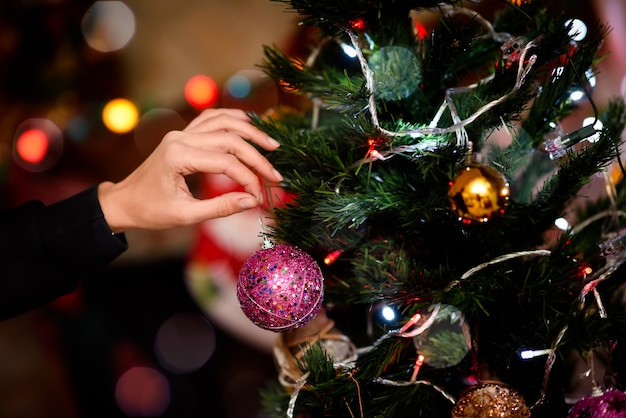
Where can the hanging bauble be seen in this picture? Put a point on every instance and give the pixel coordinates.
(490, 399)
(478, 193)
(280, 287)
(611, 404)
(445, 340)
(397, 72)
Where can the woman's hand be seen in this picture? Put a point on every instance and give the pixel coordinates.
(156, 194)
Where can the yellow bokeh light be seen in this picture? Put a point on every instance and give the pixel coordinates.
(120, 115)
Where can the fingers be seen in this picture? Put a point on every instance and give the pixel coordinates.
(222, 163)
(212, 113)
(209, 152)
(231, 120)
(229, 143)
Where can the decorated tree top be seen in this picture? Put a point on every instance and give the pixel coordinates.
(428, 165)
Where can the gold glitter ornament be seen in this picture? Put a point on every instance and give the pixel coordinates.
(478, 193)
(490, 400)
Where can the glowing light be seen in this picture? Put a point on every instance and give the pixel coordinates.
(348, 50)
(358, 24)
(529, 354)
(388, 313)
(184, 343)
(330, 258)
(108, 25)
(239, 86)
(587, 270)
(201, 91)
(578, 30)
(38, 145)
(142, 392)
(562, 224)
(577, 95)
(419, 361)
(421, 31)
(120, 115)
(591, 78)
(32, 145)
(597, 125)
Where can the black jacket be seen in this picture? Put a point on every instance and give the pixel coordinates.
(45, 249)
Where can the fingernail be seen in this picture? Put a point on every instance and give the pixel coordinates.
(278, 175)
(273, 142)
(248, 203)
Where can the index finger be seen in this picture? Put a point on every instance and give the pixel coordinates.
(211, 113)
(234, 123)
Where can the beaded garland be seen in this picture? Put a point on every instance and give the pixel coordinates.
(280, 288)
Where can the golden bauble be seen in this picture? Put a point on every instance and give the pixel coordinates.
(478, 193)
(490, 400)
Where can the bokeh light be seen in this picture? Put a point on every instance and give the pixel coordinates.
(562, 224)
(348, 50)
(120, 115)
(578, 30)
(201, 91)
(184, 343)
(597, 126)
(421, 31)
(239, 86)
(250, 90)
(32, 145)
(142, 392)
(388, 313)
(38, 145)
(108, 25)
(77, 128)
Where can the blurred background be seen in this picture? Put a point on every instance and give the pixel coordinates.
(88, 90)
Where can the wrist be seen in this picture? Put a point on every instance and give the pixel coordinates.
(111, 208)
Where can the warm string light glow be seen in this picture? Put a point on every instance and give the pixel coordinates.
(420, 31)
(201, 91)
(38, 145)
(330, 258)
(120, 115)
(32, 145)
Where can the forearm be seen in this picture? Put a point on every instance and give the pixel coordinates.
(45, 249)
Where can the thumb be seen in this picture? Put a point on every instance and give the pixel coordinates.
(224, 205)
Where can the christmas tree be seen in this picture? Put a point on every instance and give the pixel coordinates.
(429, 169)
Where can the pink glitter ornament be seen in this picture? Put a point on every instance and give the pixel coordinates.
(611, 404)
(280, 287)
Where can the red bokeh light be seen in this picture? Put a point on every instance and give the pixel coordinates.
(421, 31)
(201, 91)
(32, 145)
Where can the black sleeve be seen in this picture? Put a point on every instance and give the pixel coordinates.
(45, 249)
